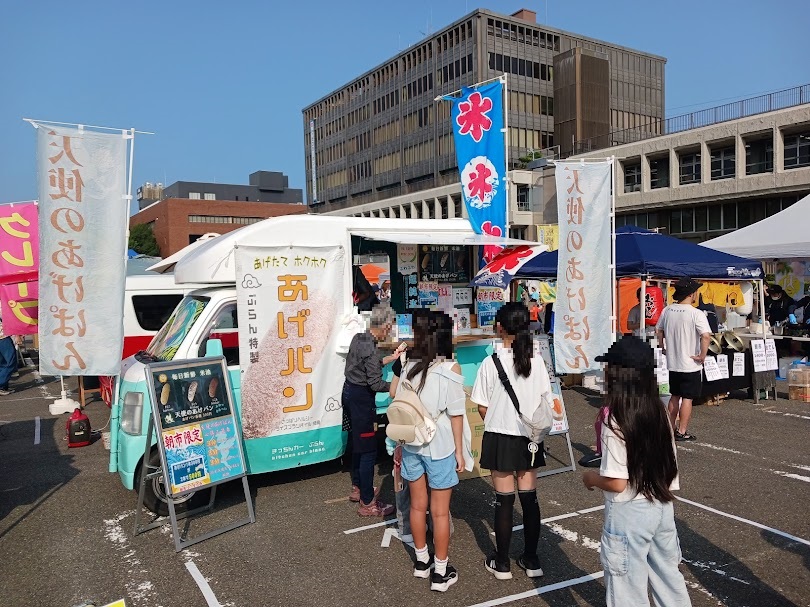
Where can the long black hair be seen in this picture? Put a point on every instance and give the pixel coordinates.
(641, 420)
(513, 318)
(432, 338)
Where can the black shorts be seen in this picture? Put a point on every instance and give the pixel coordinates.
(686, 385)
(506, 453)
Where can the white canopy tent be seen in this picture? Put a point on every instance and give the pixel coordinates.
(782, 236)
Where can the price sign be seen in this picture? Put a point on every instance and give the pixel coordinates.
(771, 358)
(758, 352)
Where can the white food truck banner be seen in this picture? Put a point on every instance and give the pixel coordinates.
(290, 306)
(82, 243)
(582, 326)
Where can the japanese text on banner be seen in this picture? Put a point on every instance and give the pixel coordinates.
(289, 300)
(82, 235)
(582, 324)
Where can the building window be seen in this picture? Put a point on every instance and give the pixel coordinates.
(659, 173)
(210, 196)
(730, 216)
(715, 217)
(797, 151)
(523, 203)
(723, 163)
(632, 177)
(194, 195)
(758, 157)
(689, 168)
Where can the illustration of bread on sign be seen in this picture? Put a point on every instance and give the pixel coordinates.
(426, 261)
(212, 387)
(165, 393)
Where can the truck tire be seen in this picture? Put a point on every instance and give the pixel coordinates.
(154, 497)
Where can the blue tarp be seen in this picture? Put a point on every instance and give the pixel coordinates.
(640, 252)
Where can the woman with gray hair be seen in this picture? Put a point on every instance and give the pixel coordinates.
(363, 380)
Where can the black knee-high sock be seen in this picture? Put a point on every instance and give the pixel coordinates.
(504, 507)
(531, 520)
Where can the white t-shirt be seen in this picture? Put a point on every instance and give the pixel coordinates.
(489, 391)
(682, 326)
(614, 465)
(443, 391)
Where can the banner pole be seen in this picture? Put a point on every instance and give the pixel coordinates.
(506, 151)
(614, 318)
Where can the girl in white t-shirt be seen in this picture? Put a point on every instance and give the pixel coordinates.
(638, 474)
(505, 444)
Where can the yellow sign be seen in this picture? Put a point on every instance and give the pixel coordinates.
(118, 603)
(549, 235)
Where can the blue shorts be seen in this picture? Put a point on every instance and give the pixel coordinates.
(441, 473)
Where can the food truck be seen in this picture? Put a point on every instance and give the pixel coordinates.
(278, 297)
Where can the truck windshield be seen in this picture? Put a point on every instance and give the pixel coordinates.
(165, 344)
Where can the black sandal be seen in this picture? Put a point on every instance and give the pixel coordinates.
(684, 437)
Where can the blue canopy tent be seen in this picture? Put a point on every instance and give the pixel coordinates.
(641, 252)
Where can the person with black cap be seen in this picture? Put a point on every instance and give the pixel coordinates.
(684, 334)
(777, 304)
(637, 476)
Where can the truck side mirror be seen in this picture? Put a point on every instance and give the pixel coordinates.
(213, 347)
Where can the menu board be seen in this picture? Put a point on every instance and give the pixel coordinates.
(722, 363)
(559, 424)
(428, 293)
(739, 364)
(771, 358)
(200, 441)
(711, 369)
(488, 301)
(444, 263)
(758, 354)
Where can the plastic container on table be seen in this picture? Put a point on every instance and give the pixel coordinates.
(799, 382)
(785, 362)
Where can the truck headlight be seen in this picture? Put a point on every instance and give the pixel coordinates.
(132, 413)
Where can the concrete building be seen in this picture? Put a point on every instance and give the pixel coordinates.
(383, 135)
(264, 186)
(746, 161)
(177, 222)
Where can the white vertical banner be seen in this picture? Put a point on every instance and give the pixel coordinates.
(582, 324)
(83, 210)
(290, 306)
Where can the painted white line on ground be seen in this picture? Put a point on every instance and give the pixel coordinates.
(716, 448)
(541, 590)
(797, 477)
(14, 400)
(36, 430)
(560, 517)
(800, 467)
(208, 594)
(374, 526)
(744, 520)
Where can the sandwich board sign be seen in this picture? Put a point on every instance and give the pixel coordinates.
(198, 436)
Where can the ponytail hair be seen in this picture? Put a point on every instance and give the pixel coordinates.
(513, 318)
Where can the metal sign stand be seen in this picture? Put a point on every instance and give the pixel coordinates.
(180, 542)
(571, 467)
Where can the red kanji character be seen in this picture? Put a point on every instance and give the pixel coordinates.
(196, 436)
(66, 184)
(187, 437)
(479, 186)
(168, 441)
(472, 116)
(575, 210)
(575, 185)
(491, 251)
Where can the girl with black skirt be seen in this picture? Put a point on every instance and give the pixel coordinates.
(505, 448)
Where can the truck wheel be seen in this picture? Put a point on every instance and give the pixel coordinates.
(155, 495)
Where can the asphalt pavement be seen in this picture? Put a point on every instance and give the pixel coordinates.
(66, 524)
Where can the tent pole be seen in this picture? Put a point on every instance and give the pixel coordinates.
(762, 305)
(642, 302)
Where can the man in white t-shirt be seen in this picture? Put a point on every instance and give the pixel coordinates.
(684, 333)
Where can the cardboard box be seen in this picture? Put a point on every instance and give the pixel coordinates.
(477, 432)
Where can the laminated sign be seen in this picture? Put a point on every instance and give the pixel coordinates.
(290, 302)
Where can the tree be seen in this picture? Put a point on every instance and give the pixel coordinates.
(142, 240)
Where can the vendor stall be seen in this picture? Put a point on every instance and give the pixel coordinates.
(650, 256)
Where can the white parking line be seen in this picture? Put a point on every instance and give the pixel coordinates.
(208, 594)
(745, 520)
(560, 517)
(383, 524)
(36, 430)
(541, 590)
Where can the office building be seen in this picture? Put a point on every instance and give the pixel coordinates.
(383, 134)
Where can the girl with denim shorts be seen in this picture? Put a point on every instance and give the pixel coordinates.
(436, 465)
(638, 473)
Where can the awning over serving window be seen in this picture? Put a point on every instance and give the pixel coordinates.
(439, 237)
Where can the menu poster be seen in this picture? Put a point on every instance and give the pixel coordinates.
(444, 263)
(404, 326)
(428, 294)
(406, 258)
(446, 299)
(739, 365)
(461, 321)
(771, 358)
(722, 363)
(758, 353)
(542, 348)
(462, 296)
(711, 369)
(559, 424)
(488, 301)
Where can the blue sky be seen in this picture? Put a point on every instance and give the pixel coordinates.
(222, 84)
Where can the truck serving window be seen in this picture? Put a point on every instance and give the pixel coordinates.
(165, 344)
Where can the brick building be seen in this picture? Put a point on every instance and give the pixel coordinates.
(177, 222)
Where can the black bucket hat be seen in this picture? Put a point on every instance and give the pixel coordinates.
(629, 352)
(685, 287)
